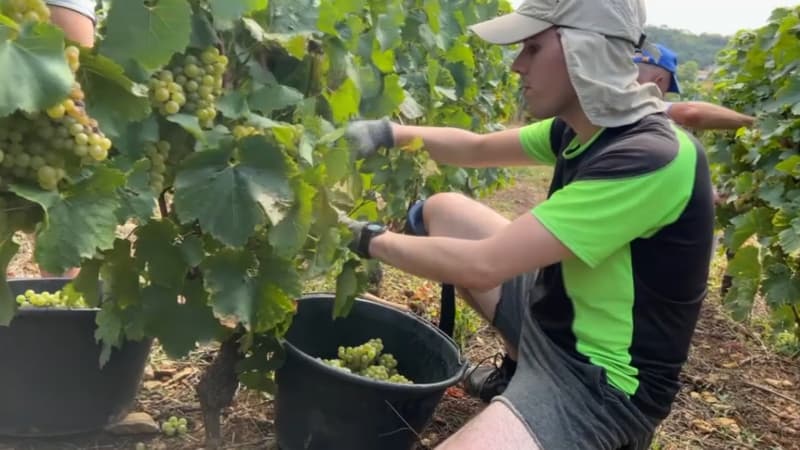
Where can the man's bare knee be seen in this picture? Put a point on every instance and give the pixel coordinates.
(496, 427)
(456, 215)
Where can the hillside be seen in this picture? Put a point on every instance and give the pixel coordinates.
(689, 46)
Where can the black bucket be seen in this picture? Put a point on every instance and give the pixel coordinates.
(321, 407)
(51, 383)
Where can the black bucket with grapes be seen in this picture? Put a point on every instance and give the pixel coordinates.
(369, 380)
(51, 382)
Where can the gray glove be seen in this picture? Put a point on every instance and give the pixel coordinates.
(363, 232)
(367, 136)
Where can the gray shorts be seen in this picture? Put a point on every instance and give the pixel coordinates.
(85, 7)
(566, 404)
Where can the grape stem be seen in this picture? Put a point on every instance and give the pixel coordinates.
(162, 205)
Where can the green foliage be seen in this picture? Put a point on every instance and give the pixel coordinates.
(758, 168)
(236, 207)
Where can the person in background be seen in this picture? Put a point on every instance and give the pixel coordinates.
(697, 115)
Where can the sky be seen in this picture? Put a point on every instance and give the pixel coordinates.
(710, 16)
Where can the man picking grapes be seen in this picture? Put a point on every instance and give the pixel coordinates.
(596, 290)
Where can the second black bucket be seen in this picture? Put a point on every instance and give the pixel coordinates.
(319, 407)
(51, 382)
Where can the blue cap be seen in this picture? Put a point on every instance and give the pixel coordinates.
(668, 61)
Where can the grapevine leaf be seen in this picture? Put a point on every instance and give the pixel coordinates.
(231, 289)
(275, 309)
(349, 284)
(289, 235)
(132, 138)
(226, 11)
(8, 304)
(265, 355)
(190, 123)
(332, 12)
(121, 275)
(780, 285)
(203, 33)
(226, 197)
(789, 165)
(86, 284)
(78, 222)
(344, 101)
(196, 324)
(35, 72)
(137, 200)
(790, 238)
(389, 27)
(757, 220)
(294, 16)
(257, 302)
(109, 330)
(294, 43)
(233, 105)
(273, 97)
(745, 269)
(280, 271)
(192, 250)
(111, 97)
(150, 35)
(156, 250)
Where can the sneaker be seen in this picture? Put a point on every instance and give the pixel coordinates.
(488, 381)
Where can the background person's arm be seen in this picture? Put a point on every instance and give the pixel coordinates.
(75, 17)
(708, 116)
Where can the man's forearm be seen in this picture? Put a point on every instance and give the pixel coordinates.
(447, 260)
(446, 145)
(708, 116)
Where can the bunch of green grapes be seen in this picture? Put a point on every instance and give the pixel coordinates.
(157, 154)
(40, 146)
(362, 356)
(173, 426)
(25, 10)
(366, 360)
(47, 300)
(166, 95)
(243, 131)
(191, 83)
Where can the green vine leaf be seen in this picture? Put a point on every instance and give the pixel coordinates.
(148, 35)
(229, 200)
(111, 97)
(40, 77)
(198, 324)
(226, 11)
(349, 284)
(159, 253)
(79, 222)
(239, 288)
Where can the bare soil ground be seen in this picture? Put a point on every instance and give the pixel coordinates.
(737, 392)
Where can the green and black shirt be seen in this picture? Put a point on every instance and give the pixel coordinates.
(635, 206)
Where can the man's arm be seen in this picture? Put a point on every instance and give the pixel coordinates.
(708, 116)
(462, 148)
(453, 146)
(522, 246)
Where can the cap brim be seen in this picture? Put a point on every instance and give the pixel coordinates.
(509, 29)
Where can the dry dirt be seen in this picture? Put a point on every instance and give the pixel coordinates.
(737, 393)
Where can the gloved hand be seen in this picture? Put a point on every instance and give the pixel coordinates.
(363, 232)
(367, 136)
